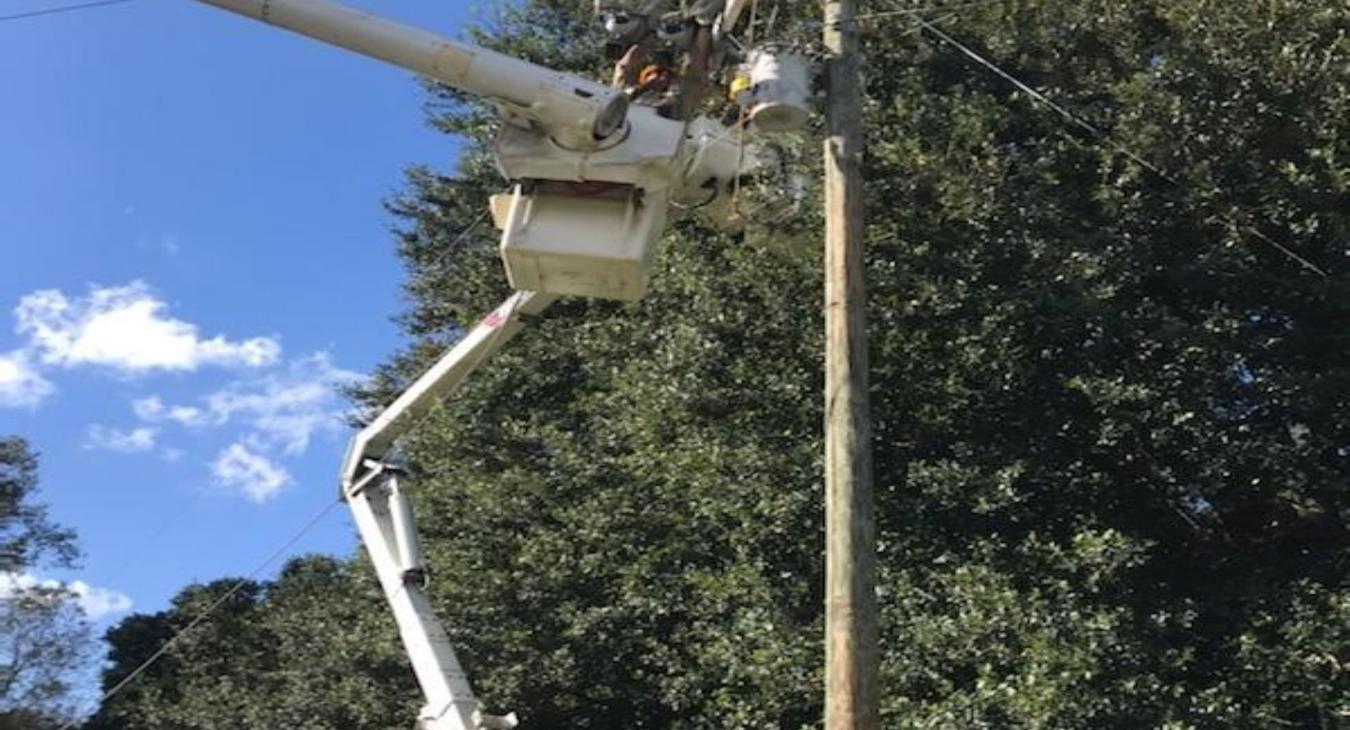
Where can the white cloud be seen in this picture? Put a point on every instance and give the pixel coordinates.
(130, 441)
(20, 385)
(258, 477)
(99, 602)
(12, 583)
(273, 415)
(96, 603)
(126, 328)
(153, 409)
(148, 409)
(165, 242)
(282, 410)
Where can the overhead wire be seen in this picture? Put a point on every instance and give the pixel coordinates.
(743, 119)
(61, 9)
(463, 234)
(861, 18)
(210, 609)
(726, 134)
(1101, 135)
(930, 9)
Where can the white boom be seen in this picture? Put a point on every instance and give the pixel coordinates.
(593, 178)
(575, 110)
(383, 516)
(591, 183)
(480, 343)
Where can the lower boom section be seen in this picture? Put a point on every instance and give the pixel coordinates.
(391, 543)
(383, 516)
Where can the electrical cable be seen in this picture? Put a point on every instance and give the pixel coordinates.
(701, 204)
(62, 9)
(858, 19)
(740, 128)
(1102, 136)
(238, 586)
(469, 229)
(743, 119)
(1068, 115)
(931, 9)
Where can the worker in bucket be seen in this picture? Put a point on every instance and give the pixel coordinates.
(649, 37)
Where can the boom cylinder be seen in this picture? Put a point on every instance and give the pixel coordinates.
(406, 545)
(575, 111)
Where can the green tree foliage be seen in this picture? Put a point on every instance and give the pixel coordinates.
(1112, 424)
(27, 535)
(311, 649)
(45, 644)
(25, 720)
(1116, 420)
(45, 639)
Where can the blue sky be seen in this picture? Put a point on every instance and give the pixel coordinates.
(194, 252)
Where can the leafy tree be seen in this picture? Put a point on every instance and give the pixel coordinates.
(311, 649)
(1101, 393)
(1110, 421)
(25, 720)
(27, 535)
(1112, 433)
(45, 640)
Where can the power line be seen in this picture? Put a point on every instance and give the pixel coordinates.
(932, 9)
(238, 586)
(62, 9)
(1102, 136)
(861, 20)
(464, 234)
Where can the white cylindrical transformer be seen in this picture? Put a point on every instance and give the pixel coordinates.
(780, 83)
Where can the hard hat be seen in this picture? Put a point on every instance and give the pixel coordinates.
(739, 86)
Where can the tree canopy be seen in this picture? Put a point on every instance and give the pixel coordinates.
(27, 535)
(45, 639)
(1112, 415)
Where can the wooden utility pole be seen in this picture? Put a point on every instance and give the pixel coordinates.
(851, 694)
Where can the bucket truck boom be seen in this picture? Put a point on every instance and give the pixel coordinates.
(576, 111)
(591, 180)
(592, 177)
(372, 487)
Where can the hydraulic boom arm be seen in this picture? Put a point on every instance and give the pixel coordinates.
(576, 111)
(481, 342)
(590, 186)
(383, 515)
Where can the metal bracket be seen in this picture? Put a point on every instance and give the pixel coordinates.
(375, 471)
